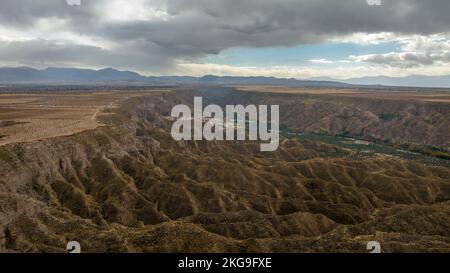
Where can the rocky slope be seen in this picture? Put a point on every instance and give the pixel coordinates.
(401, 121)
(127, 186)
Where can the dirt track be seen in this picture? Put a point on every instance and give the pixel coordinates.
(31, 117)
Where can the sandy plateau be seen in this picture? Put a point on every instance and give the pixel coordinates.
(32, 117)
(438, 96)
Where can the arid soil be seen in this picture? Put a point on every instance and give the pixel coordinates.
(32, 117)
(410, 95)
(409, 118)
(127, 186)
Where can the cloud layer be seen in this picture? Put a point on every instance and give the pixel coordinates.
(156, 36)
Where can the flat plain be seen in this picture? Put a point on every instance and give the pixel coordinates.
(408, 94)
(36, 116)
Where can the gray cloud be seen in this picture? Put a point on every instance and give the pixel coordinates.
(193, 28)
(415, 51)
(406, 59)
(44, 53)
(402, 60)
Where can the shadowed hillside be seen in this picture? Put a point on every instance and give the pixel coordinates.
(127, 186)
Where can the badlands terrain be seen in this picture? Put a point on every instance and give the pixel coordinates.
(101, 168)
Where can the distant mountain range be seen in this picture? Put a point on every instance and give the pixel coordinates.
(64, 75)
(27, 75)
(409, 81)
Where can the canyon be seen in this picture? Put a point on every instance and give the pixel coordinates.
(128, 186)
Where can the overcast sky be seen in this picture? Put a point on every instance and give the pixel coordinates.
(283, 38)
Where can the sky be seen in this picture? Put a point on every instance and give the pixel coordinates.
(283, 38)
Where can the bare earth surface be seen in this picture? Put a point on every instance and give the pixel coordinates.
(31, 117)
(127, 186)
(430, 96)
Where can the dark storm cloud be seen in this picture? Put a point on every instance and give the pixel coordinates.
(194, 28)
(44, 53)
(24, 13)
